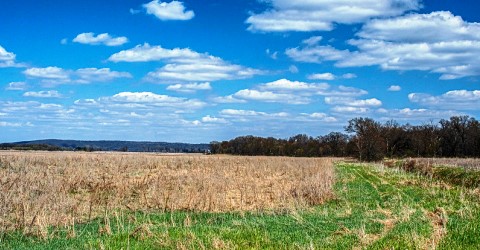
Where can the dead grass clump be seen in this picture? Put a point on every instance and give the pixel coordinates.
(39, 189)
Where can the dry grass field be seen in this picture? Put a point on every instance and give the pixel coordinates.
(41, 189)
(466, 163)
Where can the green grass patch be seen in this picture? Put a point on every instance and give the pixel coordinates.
(374, 208)
(458, 176)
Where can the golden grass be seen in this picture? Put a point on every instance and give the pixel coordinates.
(39, 189)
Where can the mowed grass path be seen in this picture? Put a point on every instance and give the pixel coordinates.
(374, 208)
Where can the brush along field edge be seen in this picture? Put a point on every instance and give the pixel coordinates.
(41, 189)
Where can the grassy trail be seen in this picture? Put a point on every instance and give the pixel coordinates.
(374, 208)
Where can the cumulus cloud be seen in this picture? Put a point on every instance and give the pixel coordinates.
(373, 102)
(414, 115)
(394, 88)
(320, 117)
(164, 11)
(455, 99)
(52, 73)
(308, 15)
(56, 75)
(7, 59)
(190, 87)
(210, 119)
(43, 94)
(268, 96)
(100, 39)
(149, 99)
(184, 65)
(251, 113)
(16, 86)
(438, 42)
(290, 92)
(322, 76)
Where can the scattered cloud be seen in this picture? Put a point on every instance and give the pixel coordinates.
(190, 88)
(273, 55)
(100, 39)
(54, 75)
(210, 119)
(314, 40)
(43, 94)
(7, 59)
(293, 69)
(164, 11)
(227, 99)
(64, 41)
(320, 117)
(349, 76)
(322, 76)
(414, 115)
(394, 88)
(17, 86)
(250, 113)
(455, 99)
(268, 96)
(88, 75)
(321, 15)
(347, 101)
(438, 42)
(51, 73)
(184, 65)
(289, 92)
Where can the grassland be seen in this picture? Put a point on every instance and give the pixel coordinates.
(369, 206)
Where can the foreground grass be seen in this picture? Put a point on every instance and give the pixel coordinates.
(374, 208)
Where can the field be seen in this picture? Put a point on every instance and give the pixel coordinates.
(147, 201)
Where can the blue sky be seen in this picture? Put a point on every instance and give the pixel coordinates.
(198, 71)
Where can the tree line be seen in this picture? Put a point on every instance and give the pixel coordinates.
(369, 140)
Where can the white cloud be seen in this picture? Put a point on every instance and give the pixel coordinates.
(287, 85)
(268, 96)
(438, 42)
(415, 115)
(312, 15)
(190, 87)
(312, 40)
(347, 101)
(7, 59)
(56, 75)
(168, 11)
(43, 94)
(347, 109)
(147, 53)
(184, 65)
(320, 117)
(273, 55)
(322, 76)
(51, 73)
(349, 76)
(64, 41)
(293, 69)
(16, 86)
(239, 113)
(138, 99)
(210, 119)
(10, 124)
(455, 99)
(88, 75)
(104, 39)
(394, 88)
(290, 92)
(227, 99)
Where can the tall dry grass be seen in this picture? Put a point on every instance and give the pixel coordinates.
(39, 189)
(466, 163)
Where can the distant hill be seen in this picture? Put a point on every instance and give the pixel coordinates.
(130, 146)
